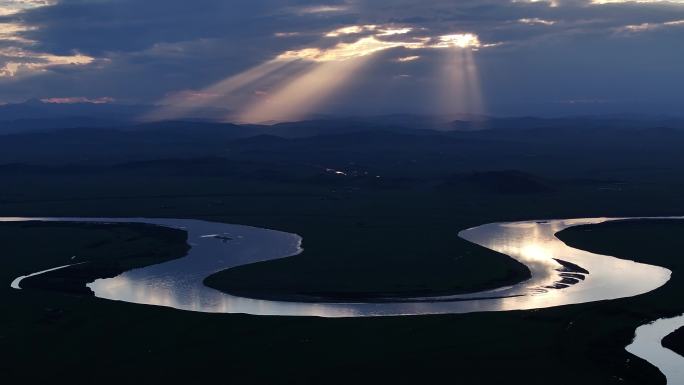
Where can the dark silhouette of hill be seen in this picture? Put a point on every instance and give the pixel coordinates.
(502, 182)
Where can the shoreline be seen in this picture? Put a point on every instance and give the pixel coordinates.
(179, 283)
(675, 341)
(73, 278)
(429, 295)
(655, 337)
(371, 298)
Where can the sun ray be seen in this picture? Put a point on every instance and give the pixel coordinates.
(473, 88)
(461, 91)
(298, 97)
(287, 92)
(181, 105)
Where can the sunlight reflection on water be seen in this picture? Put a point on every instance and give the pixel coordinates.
(217, 246)
(179, 283)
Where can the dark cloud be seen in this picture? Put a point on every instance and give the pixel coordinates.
(546, 58)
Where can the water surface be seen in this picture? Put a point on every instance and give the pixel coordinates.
(648, 344)
(561, 275)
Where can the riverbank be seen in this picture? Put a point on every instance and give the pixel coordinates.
(412, 263)
(51, 334)
(421, 345)
(658, 241)
(675, 341)
(137, 340)
(652, 241)
(93, 250)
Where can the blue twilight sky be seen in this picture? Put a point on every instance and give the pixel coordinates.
(276, 59)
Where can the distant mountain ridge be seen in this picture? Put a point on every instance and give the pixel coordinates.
(37, 109)
(36, 115)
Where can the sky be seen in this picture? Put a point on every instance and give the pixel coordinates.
(274, 60)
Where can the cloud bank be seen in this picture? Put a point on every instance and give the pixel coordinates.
(370, 56)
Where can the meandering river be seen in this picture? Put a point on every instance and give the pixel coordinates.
(561, 275)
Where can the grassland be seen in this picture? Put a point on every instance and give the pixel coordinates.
(661, 240)
(675, 341)
(431, 187)
(51, 335)
(382, 259)
(94, 251)
(58, 335)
